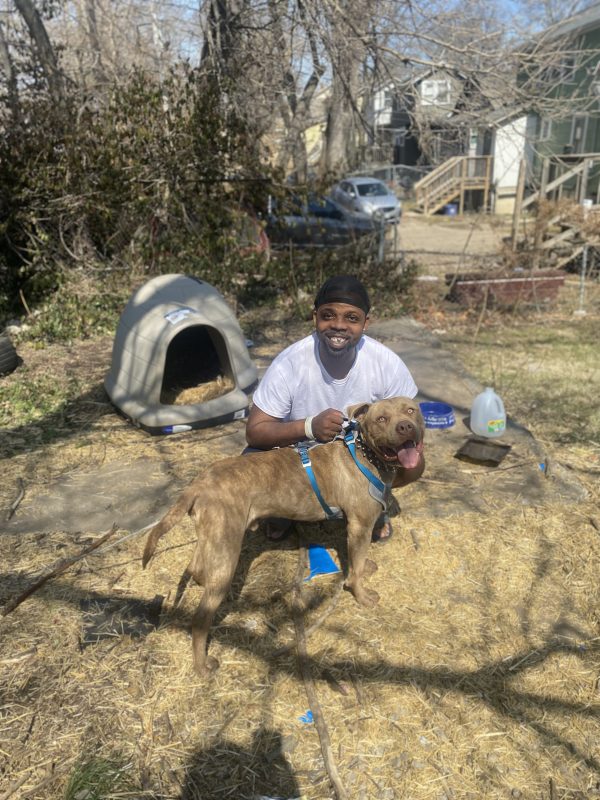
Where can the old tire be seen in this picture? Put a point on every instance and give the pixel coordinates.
(9, 359)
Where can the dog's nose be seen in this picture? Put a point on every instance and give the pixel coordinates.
(405, 428)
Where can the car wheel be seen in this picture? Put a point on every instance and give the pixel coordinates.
(9, 359)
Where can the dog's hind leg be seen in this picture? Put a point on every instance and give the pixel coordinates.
(186, 577)
(201, 622)
(213, 566)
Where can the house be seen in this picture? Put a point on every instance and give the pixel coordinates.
(507, 138)
(559, 86)
(552, 126)
(567, 86)
(415, 120)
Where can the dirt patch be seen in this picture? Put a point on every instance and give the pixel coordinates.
(447, 244)
(130, 494)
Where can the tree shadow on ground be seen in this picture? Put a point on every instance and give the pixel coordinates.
(226, 770)
(495, 684)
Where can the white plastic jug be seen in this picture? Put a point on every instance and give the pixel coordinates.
(488, 417)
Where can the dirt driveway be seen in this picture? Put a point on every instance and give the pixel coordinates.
(443, 243)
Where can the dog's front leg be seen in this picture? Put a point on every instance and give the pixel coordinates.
(359, 566)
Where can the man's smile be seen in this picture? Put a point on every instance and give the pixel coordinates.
(336, 339)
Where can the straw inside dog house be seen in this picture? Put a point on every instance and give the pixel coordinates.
(179, 358)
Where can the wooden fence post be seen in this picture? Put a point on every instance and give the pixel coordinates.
(539, 228)
(516, 220)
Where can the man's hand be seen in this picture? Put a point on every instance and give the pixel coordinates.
(327, 424)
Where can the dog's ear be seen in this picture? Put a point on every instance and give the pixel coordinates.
(358, 410)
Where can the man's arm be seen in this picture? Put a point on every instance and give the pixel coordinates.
(264, 431)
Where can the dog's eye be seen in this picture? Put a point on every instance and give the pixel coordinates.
(381, 419)
(410, 411)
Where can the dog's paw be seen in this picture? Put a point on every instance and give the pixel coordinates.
(364, 597)
(205, 669)
(368, 598)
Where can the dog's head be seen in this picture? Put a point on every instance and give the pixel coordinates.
(393, 429)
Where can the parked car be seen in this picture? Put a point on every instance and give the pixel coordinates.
(367, 197)
(313, 221)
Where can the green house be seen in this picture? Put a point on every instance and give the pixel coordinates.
(562, 79)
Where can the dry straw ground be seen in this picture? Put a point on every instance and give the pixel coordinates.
(476, 677)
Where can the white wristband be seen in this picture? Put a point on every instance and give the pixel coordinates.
(308, 431)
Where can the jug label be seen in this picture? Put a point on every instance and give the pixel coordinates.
(495, 425)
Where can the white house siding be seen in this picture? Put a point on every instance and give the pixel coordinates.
(382, 107)
(509, 148)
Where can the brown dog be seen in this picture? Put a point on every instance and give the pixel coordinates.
(234, 494)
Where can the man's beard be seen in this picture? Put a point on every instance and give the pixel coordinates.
(336, 352)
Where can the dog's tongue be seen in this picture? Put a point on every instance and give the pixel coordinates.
(408, 456)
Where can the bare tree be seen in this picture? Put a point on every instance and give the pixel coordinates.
(44, 48)
(7, 69)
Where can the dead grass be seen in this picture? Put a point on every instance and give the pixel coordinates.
(477, 676)
(209, 390)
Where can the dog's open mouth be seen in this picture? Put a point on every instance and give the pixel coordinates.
(407, 455)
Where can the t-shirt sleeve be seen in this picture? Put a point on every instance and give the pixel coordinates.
(273, 393)
(399, 381)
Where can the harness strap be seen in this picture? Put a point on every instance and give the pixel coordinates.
(349, 440)
(303, 452)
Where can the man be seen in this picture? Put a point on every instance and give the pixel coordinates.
(306, 390)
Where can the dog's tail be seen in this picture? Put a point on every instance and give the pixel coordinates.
(173, 515)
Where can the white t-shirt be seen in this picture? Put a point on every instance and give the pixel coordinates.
(297, 385)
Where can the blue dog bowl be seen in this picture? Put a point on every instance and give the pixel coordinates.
(437, 415)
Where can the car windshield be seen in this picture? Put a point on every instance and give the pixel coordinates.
(372, 189)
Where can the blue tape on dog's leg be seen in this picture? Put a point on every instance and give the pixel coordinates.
(320, 562)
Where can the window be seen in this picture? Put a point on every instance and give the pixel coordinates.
(545, 130)
(578, 133)
(436, 92)
(567, 69)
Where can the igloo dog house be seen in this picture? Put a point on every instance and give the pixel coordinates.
(176, 334)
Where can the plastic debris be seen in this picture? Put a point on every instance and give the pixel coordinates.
(307, 717)
(320, 562)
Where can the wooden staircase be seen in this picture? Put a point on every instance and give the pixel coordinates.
(451, 181)
(573, 178)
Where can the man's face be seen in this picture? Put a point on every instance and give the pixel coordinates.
(339, 327)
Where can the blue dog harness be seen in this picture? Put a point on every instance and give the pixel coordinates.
(377, 488)
(331, 513)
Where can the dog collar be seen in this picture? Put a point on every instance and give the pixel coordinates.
(382, 466)
(350, 441)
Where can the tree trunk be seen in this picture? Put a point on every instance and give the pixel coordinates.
(44, 48)
(6, 66)
(221, 34)
(348, 47)
(295, 111)
(94, 40)
(339, 144)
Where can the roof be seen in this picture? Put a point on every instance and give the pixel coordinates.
(577, 23)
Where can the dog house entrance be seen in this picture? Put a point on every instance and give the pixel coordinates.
(197, 367)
